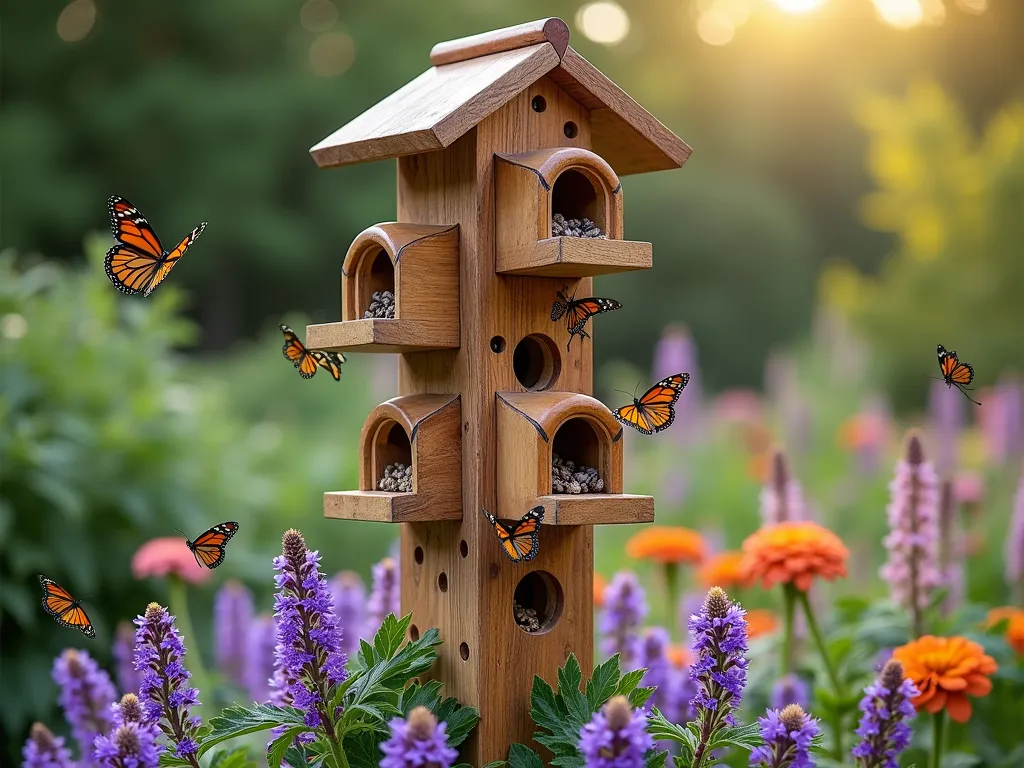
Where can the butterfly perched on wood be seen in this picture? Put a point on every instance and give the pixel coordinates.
(578, 311)
(68, 611)
(307, 360)
(955, 373)
(209, 548)
(654, 411)
(139, 263)
(519, 540)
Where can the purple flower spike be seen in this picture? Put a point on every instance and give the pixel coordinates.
(654, 658)
(624, 610)
(912, 569)
(44, 750)
(789, 689)
(616, 737)
(349, 595)
(232, 614)
(164, 693)
(782, 499)
(417, 741)
(308, 649)
(883, 730)
(259, 657)
(86, 694)
(385, 596)
(132, 743)
(1015, 541)
(128, 678)
(788, 736)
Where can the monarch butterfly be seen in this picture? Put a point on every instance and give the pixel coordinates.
(68, 611)
(307, 360)
(139, 263)
(209, 548)
(654, 412)
(577, 312)
(955, 373)
(520, 540)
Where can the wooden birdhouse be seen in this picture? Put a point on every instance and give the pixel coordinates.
(504, 131)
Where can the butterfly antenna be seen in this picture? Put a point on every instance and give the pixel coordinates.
(627, 394)
(962, 389)
(183, 534)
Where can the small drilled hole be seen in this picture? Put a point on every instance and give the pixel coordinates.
(497, 345)
(417, 555)
(536, 362)
(570, 129)
(464, 651)
(464, 548)
(414, 632)
(442, 581)
(539, 104)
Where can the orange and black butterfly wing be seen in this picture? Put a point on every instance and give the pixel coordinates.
(962, 375)
(295, 352)
(584, 309)
(210, 548)
(330, 362)
(947, 363)
(59, 603)
(138, 254)
(658, 402)
(523, 541)
(635, 417)
(168, 262)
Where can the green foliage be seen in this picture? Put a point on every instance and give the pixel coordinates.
(742, 737)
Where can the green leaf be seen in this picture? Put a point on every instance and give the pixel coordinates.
(363, 749)
(385, 680)
(663, 730)
(417, 695)
(234, 758)
(237, 721)
(569, 761)
(601, 685)
(171, 761)
(743, 736)
(570, 677)
(629, 682)
(656, 760)
(367, 654)
(298, 756)
(280, 745)
(493, 764)
(639, 696)
(461, 723)
(520, 756)
(545, 709)
(389, 637)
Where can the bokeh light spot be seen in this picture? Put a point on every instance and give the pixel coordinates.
(797, 6)
(715, 27)
(603, 22)
(902, 14)
(13, 326)
(76, 20)
(331, 54)
(318, 15)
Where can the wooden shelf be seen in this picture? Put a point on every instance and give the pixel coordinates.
(377, 335)
(385, 507)
(575, 257)
(596, 509)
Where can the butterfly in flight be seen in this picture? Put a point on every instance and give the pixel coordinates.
(209, 549)
(307, 360)
(955, 373)
(654, 411)
(519, 540)
(578, 311)
(139, 263)
(68, 611)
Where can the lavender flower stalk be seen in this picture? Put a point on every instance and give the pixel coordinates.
(132, 743)
(789, 689)
(616, 737)
(1015, 544)
(719, 668)
(258, 669)
(349, 594)
(385, 596)
(308, 638)
(951, 567)
(623, 613)
(912, 569)
(232, 614)
(86, 694)
(788, 736)
(945, 408)
(417, 741)
(883, 730)
(44, 750)
(128, 678)
(165, 694)
(654, 658)
(676, 351)
(782, 498)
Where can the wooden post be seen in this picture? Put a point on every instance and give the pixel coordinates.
(514, 117)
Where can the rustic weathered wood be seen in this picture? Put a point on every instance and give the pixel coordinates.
(384, 507)
(575, 257)
(552, 30)
(378, 335)
(596, 509)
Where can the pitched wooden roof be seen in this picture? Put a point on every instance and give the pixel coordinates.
(475, 76)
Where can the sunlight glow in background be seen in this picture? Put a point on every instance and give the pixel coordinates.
(603, 22)
(76, 20)
(797, 6)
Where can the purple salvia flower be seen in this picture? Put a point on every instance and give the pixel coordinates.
(86, 694)
(349, 594)
(654, 658)
(782, 499)
(676, 352)
(945, 412)
(385, 595)
(165, 693)
(232, 614)
(258, 670)
(616, 737)
(132, 742)
(719, 668)
(128, 678)
(788, 736)
(623, 613)
(951, 564)
(689, 605)
(884, 732)
(1015, 542)
(308, 637)
(44, 750)
(1002, 420)
(417, 741)
(789, 689)
(912, 569)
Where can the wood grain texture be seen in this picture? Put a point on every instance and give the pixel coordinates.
(596, 509)
(552, 30)
(377, 335)
(384, 507)
(575, 257)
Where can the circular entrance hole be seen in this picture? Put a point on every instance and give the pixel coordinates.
(497, 345)
(538, 600)
(536, 362)
(442, 581)
(539, 104)
(417, 555)
(464, 651)
(570, 129)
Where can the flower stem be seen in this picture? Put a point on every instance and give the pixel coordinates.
(177, 596)
(340, 758)
(789, 599)
(938, 732)
(812, 624)
(671, 590)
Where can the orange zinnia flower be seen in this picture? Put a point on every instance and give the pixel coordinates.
(599, 586)
(1015, 630)
(794, 552)
(723, 570)
(946, 670)
(666, 544)
(678, 656)
(761, 622)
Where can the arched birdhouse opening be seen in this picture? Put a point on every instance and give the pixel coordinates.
(579, 194)
(537, 603)
(391, 449)
(580, 457)
(375, 284)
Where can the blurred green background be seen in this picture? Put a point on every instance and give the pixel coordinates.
(856, 196)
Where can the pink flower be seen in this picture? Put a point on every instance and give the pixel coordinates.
(969, 488)
(168, 555)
